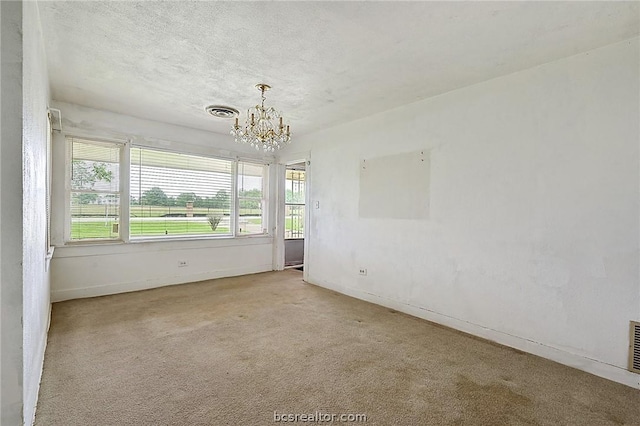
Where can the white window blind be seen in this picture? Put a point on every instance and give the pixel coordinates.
(174, 194)
(94, 189)
(170, 194)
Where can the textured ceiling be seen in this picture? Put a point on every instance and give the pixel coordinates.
(328, 62)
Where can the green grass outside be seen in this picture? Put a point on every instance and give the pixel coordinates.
(170, 227)
(103, 229)
(293, 223)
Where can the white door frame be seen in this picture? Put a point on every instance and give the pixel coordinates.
(278, 249)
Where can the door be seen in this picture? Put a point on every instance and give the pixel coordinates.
(294, 215)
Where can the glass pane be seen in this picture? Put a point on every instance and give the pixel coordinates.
(95, 166)
(176, 194)
(294, 184)
(294, 221)
(294, 199)
(250, 200)
(94, 216)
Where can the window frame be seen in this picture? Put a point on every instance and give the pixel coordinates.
(122, 145)
(232, 207)
(48, 180)
(124, 193)
(264, 200)
(286, 204)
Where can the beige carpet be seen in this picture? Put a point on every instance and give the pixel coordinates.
(233, 351)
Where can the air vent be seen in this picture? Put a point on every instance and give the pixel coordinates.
(222, 111)
(634, 347)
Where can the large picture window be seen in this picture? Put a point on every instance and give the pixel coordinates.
(176, 194)
(170, 194)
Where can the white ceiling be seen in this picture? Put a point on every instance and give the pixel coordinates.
(328, 62)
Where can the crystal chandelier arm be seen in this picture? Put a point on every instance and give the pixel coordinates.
(260, 129)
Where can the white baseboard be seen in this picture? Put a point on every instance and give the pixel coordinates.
(561, 356)
(103, 290)
(32, 400)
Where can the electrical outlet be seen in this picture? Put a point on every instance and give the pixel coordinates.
(363, 271)
(317, 204)
(182, 263)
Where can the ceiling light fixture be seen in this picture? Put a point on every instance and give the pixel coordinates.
(260, 131)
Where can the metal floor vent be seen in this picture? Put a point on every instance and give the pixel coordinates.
(634, 347)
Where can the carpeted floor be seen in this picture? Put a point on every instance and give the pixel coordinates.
(234, 351)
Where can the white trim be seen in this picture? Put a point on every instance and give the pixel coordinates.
(598, 368)
(122, 147)
(231, 158)
(294, 266)
(264, 200)
(278, 225)
(308, 209)
(103, 290)
(279, 246)
(234, 218)
(98, 139)
(146, 246)
(125, 192)
(48, 183)
(67, 189)
(39, 364)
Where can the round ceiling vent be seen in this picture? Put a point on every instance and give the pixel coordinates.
(222, 111)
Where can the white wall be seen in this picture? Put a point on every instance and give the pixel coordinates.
(533, 234)
(294, 251)
(36, 304)
(92, 270)
(11, 368)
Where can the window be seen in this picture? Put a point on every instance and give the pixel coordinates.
(48, 181)
(251, 201)
(94, 190)
(170, 194)
(176, 194)
(294, 203)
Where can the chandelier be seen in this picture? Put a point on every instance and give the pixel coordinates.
(259, 130)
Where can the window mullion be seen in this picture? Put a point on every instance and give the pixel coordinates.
(264, 201)
(235, 205)
(94, 191)
(67, 187)
(125, 190)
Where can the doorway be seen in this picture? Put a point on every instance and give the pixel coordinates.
(294, 215)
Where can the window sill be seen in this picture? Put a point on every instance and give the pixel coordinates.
(179, 238)
(159, 239)
(196, 238)
(84, 243)
(150, 245)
